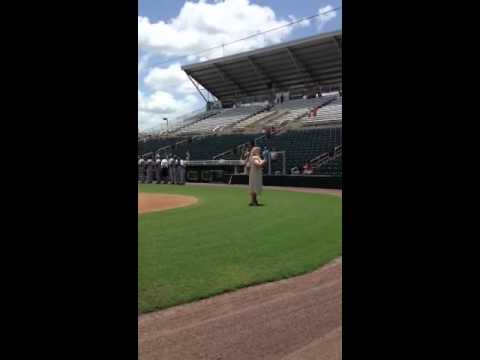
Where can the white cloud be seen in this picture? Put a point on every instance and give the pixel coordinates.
(303, 23)
(166, 90)
(172, 95)
(171, 78)
(143, 62)
(153, 107)
(325, 15)
(161, 102)
(202, 25)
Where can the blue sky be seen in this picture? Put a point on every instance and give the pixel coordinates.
(176, 28)
(166, 9)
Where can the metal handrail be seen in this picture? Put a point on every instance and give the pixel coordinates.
(215, 162)
(320, 157)
(215, 157)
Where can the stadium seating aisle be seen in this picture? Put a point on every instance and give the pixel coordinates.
(297, 108)
(330, 112)
(252, 120)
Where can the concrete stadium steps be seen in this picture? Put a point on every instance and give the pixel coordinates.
(268, 121)
(260, 117)
(225, 118)
(295, 109)
(194, 119)
(331, 112)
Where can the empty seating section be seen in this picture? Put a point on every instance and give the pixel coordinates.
(297, 108)
(225, 118)
(252, 120)
(329, 112)
(207, 147)
(195, 118)
(332, 167)
(302, 145)
(154, 144)
(278, 118)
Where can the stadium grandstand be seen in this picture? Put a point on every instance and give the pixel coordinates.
(287, 98)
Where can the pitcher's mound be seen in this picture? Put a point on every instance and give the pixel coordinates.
(160, 202)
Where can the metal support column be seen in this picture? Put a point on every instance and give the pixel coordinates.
(198, 89)
(284, 162)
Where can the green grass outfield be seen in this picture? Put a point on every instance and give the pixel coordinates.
(221, 244)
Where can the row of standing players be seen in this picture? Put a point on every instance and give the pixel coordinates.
(167, 171)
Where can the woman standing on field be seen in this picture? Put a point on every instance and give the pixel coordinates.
(255, 178)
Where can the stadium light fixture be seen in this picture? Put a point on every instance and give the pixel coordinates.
(166, 119)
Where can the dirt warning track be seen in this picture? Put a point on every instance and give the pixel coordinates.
(297, 318)
(160, 202)
(294, 319)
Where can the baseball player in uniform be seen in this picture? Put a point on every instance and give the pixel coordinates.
(141, 170)
(150, 171)
(171, 169)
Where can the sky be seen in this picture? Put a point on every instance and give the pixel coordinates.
(171, 33)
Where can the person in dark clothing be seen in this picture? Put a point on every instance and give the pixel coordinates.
(266, 153)
(268, 133)
(158, 170)
(246, 155)
(164, 169)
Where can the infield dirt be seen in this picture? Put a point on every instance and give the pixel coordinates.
(161, 202)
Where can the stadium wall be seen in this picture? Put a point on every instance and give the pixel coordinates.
(313, 181)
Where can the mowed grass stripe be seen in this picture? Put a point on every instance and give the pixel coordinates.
(221, 244)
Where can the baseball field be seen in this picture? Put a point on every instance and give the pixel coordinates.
(214, 242)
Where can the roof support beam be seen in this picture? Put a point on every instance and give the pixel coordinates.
(196, 87)
(228, 78)
(261, 72)
(301, 68)
(338, 43)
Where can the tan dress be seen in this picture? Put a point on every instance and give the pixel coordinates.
(255, 179)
